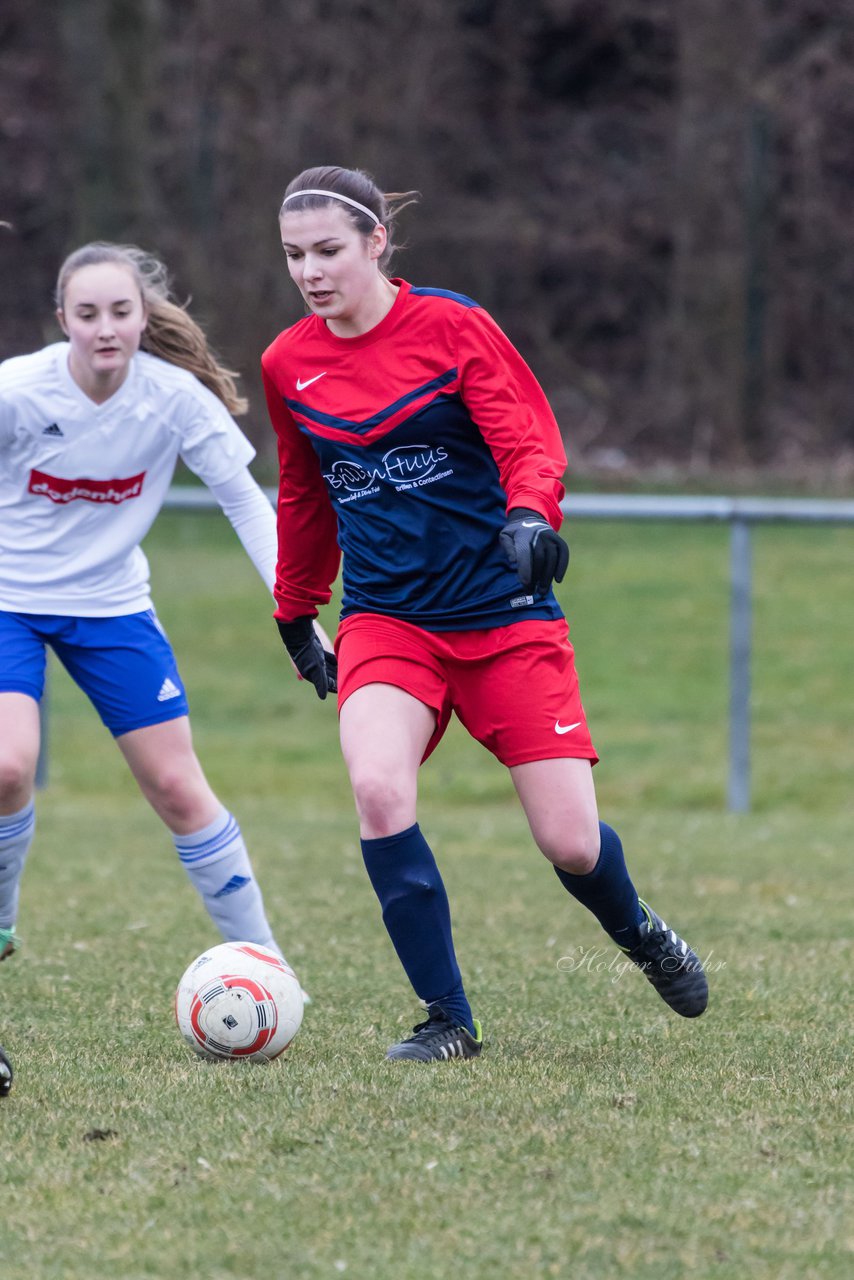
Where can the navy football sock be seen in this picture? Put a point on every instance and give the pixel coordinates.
(607, 890)
(416, 914)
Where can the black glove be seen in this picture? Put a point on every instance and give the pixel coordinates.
(537, 553)
(308, 655)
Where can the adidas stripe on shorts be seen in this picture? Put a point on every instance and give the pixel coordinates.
(124, 665)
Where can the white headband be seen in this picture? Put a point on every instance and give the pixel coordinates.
(333, 195)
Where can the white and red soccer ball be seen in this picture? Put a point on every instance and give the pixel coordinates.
(239, 1001)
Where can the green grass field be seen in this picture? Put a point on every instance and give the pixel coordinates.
(599, 1135)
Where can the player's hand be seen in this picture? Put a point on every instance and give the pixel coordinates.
(537, 553)
(308, 655)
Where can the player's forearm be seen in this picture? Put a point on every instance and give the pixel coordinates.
(308, 552)
(512, 413)
(305, 573)
(253, 520)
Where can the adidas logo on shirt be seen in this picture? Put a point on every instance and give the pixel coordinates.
(53, 430)
(168, 690)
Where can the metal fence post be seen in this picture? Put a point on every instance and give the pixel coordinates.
(738, 790)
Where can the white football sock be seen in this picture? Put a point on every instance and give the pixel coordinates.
(16, 836)
(216, 861)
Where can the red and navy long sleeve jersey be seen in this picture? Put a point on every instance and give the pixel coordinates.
(403, 449)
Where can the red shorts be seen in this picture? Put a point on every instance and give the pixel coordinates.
(514, 688)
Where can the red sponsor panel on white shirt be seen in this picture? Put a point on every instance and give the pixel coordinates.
(60, 490)
(81, 483)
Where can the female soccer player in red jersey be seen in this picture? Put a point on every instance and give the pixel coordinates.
(415, 440)
(90, 431)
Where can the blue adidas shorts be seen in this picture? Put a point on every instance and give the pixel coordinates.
(125, 665)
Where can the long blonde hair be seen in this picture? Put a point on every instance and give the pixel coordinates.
(171, 332)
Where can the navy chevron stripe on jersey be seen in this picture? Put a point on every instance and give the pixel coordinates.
(402, 449)
(428, 389)
(421, 292)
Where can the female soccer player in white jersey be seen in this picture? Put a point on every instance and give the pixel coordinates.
(90, 431)
(414, 439)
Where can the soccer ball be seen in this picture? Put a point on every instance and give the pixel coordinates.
(239, 1000)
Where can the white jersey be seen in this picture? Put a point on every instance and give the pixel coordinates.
(81, 483)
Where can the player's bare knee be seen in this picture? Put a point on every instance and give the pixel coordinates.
(16, 781)
(574, 852)
(383, 804)
(174, 798)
